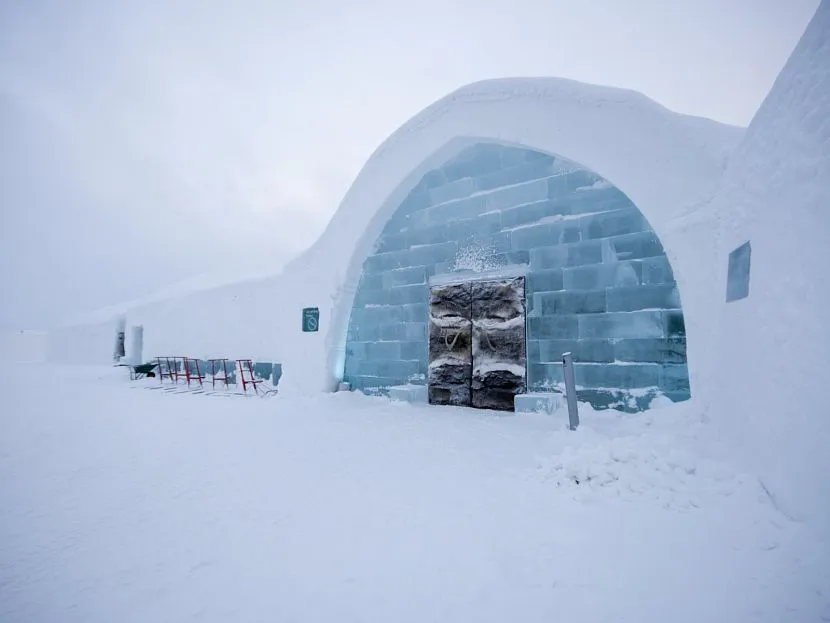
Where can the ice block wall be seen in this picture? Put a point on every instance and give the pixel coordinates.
(599, 283)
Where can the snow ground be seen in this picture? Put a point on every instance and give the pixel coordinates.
(120, 504)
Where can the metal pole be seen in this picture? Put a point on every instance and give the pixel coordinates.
(570, 390)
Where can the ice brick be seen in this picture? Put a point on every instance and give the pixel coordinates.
(409, 393)
(406, 295)
(674, 378)
(482, 224)
(413, 313)
(452, 190)
(621, 325)
(414, 350)
(473, 162)
(562, 256)
(592, 351)
(544, 376)
(655, 350)
(393, 369)
(616, 223)
(636, 246)
(643, 297)
(436, 177)
(539, 402)
(462, 209)
(392, 242)
(415, 331)
(674, 323)
(392, 332)
(533, 351)
(404, 277)
(597, 276)
(536, 190)
(570, 302)
(657, 270)
(545, 280)
(553, 327)
(566, 184)
(380, 351)
(532, 170)
(610, 375)
(527, 213)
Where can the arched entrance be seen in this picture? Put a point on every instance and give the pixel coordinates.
(596, 279)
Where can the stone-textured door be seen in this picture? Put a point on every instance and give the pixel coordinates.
(477, 348)
(450, 339)
(499, 343)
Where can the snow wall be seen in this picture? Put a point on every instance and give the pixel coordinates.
(772, 399)
(234, 321)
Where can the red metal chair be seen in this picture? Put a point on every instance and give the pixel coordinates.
(247, 366)
(167, 369)
(192, 371)
(217, 365)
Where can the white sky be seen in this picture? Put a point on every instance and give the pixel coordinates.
(145, 141)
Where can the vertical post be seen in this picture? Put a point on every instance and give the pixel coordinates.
(570, 390)
(136, 344)
(118, 351)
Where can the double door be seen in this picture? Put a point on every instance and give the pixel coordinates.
(477, 348)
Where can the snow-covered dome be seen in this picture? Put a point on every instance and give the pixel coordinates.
(664, 162)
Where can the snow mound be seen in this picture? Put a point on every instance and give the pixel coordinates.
(640, 468)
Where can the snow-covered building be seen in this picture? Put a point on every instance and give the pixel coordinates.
(590, 272)
(668, 253)
(567, 190)
(602, 207)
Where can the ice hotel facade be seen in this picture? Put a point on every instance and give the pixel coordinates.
(500, 259)
(508, 223)
(511, 222)
(669, 253)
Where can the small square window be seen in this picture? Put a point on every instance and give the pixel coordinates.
(737, 278)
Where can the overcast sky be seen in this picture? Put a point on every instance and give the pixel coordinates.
(145, 141)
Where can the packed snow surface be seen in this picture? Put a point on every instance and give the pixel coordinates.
(118, 503)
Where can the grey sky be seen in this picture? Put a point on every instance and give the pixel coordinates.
(143, 142)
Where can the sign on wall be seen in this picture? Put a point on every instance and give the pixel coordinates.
(311, 320)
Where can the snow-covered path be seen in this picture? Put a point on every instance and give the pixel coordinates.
(120, 504)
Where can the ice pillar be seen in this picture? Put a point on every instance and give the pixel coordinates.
(136, 344)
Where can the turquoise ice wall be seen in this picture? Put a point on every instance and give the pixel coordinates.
(599, 283)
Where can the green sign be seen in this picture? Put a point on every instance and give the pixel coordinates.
(311, 320)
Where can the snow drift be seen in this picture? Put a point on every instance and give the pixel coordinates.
(122, 504)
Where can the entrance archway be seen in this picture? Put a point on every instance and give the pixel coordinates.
(598, 281)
